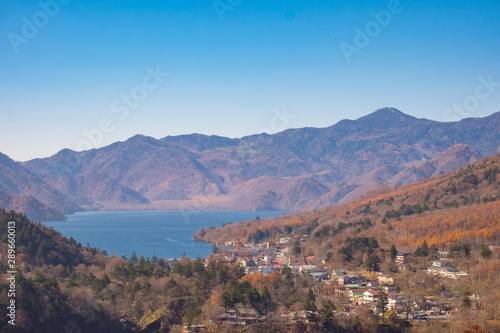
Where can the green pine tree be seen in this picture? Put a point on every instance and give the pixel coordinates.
(382, 301)
(393, 252)
(312, 310)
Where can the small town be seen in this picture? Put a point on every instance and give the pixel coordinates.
(354, 292)
(230, 166)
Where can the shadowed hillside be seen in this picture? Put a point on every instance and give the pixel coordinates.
(461, 206)
(296, 169)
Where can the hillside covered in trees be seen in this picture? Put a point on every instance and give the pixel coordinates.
(62, 286)
(461, 206)
(294, 170)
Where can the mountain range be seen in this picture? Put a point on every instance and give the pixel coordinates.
(296, 169)
(458, 207)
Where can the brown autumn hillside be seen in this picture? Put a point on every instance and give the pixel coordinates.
(463, 205)
(297, 169)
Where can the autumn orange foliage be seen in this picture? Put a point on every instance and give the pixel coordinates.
(479, 223)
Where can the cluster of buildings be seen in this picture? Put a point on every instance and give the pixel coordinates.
(361, 290)
(356, 290)
(267, 258)
(241, 317)
(441, 268)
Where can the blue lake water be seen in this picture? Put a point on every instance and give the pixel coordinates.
(164, 234)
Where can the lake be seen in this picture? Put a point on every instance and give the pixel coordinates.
(164, 234)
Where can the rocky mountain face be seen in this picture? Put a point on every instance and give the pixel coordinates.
(296, 169)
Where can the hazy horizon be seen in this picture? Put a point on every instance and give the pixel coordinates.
(195, 133)
(228, 67)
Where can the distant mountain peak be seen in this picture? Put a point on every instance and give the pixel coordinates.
(6, 160)
(390, 113)
(141, 138)
(295, 169)
(385, 118)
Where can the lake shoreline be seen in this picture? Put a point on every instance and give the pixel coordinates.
(164, 234)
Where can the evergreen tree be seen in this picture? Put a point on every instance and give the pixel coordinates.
(30, 248)
(138, 309)
(239, 270)
(485, 251)
(312, 310)
(105, 279)
(253, 296)
(459, 251)
(425, 248)
(265, 299)
(326, 318)
(393, 252)
(68, 270)
(133, 259)
(372, 262)
(71, 282)
(41, 252)
(287, 273)
(233, 293)
(296, 248)
(466, 302)
(382, 301)
(422, 251)
(433, 251)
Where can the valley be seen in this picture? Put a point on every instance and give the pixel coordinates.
(295, 170)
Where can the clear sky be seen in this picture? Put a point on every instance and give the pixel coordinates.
(235, 67)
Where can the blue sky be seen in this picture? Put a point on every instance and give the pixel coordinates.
(234, 70)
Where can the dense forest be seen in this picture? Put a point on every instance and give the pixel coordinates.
(62, 286)
(460, 206)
